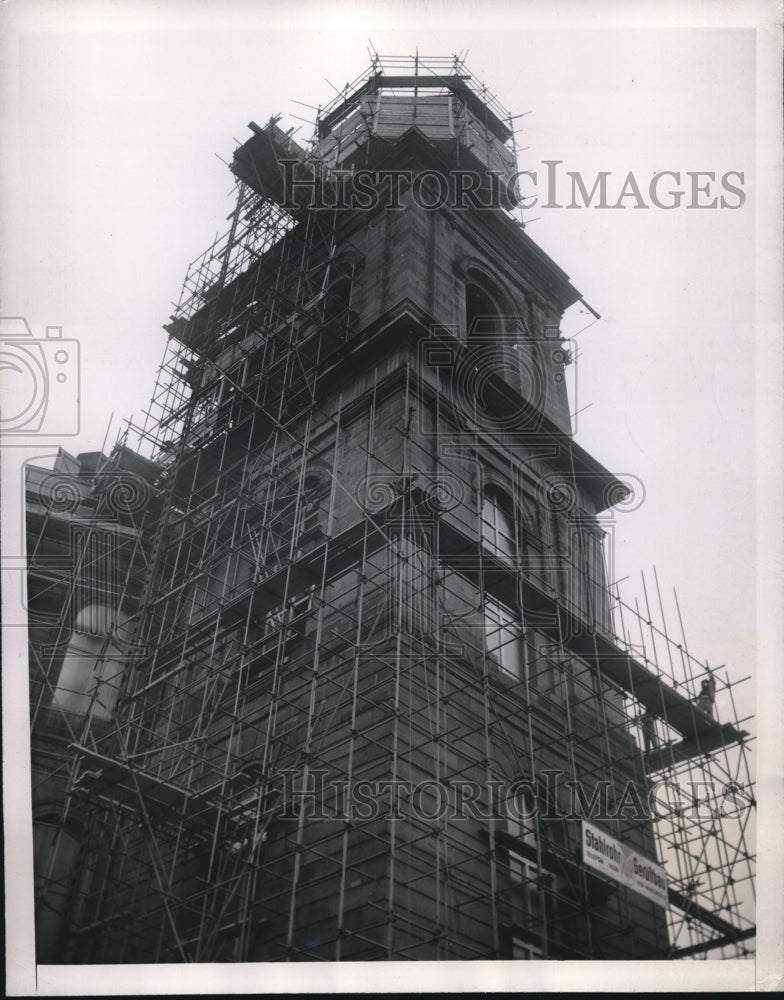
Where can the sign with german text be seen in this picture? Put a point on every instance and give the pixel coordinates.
(612, 858)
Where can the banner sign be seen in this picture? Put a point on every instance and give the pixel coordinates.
(610, 857)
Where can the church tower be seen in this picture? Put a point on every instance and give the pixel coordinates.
(373, 705)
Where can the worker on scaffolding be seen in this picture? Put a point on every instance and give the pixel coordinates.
(706, 699)
(648, 723)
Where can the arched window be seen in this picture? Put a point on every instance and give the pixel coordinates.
(498, 527)
(483, 315)
(502, 349)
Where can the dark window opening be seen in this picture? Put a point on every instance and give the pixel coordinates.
(482, 313)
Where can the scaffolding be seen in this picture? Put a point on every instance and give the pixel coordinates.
(319, 600)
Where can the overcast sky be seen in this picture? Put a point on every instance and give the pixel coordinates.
(114, 125)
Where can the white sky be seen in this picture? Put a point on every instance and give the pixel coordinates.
(113, 114)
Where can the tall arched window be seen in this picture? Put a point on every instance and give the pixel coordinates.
(498, 527)
(483, 315)
(503, 349)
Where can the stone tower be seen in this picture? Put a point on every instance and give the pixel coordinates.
(372, 688)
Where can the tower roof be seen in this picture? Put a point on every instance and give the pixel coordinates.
(435, 97)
